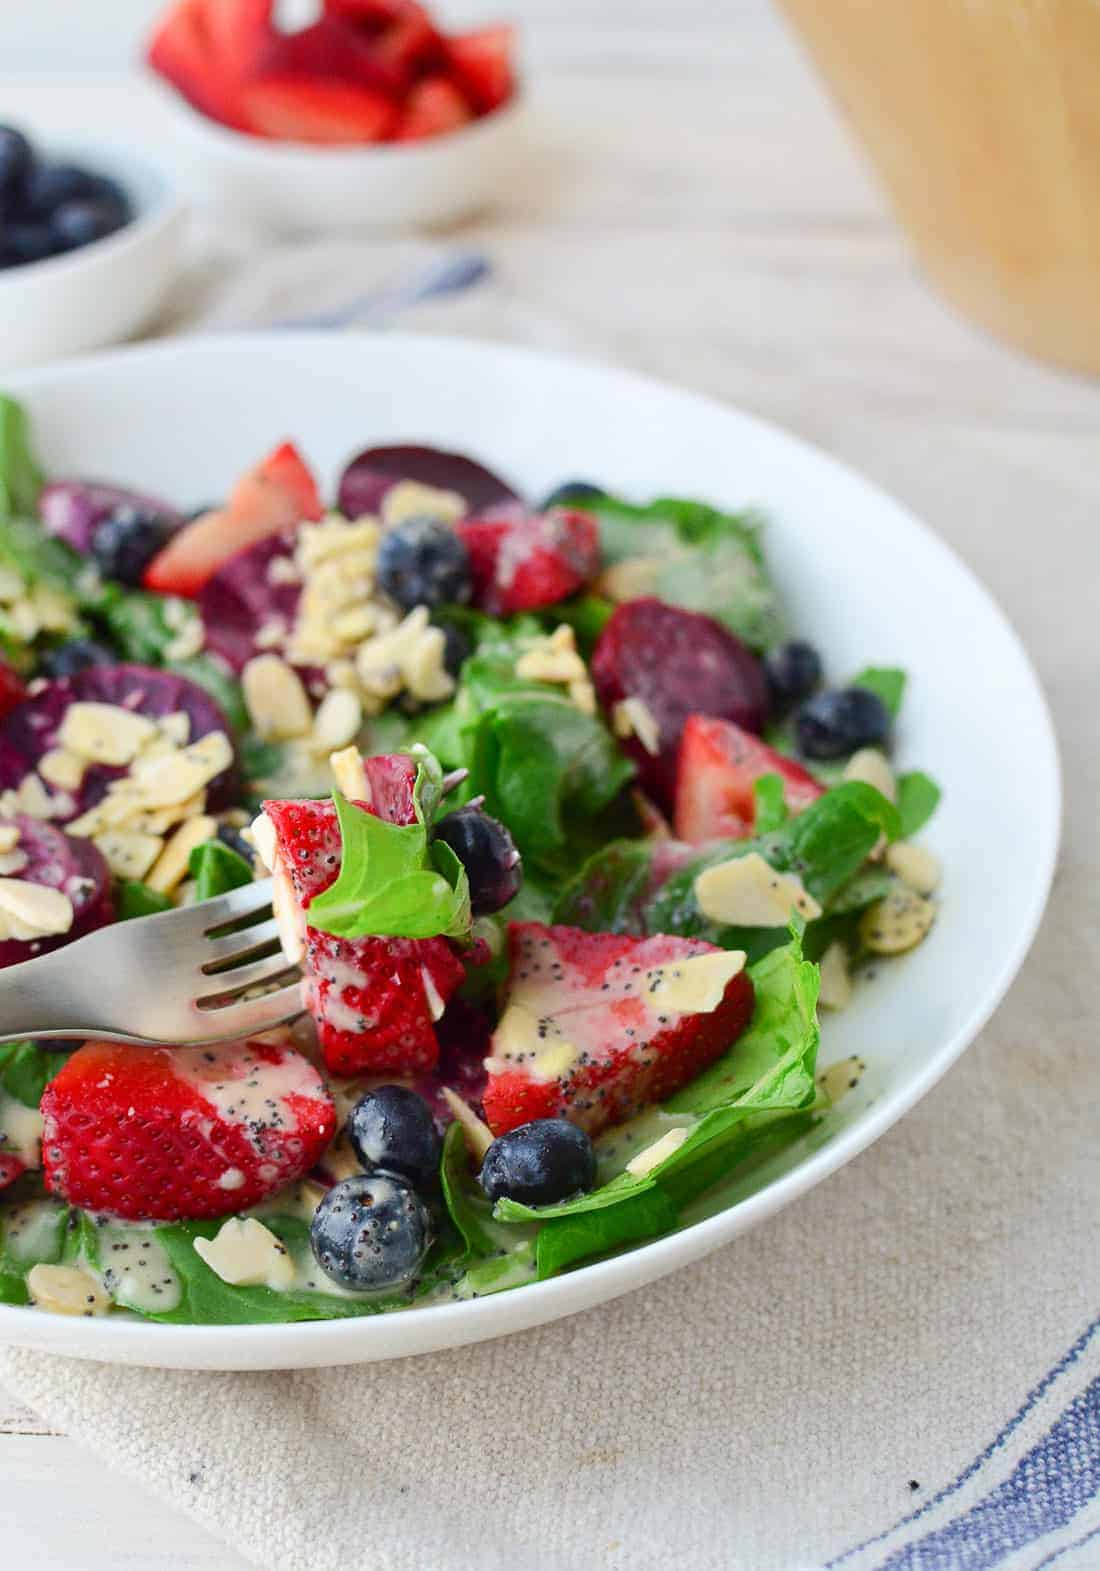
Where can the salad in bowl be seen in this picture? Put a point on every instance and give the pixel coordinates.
(568, 833)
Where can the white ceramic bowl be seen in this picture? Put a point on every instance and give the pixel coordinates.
(105, 291)
(861, 576)
(295, 186)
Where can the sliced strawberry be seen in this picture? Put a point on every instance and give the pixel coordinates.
(481, 64)
(238, 31)
(598, 1025)
(368, 16)
(374, 1000)
(164, 1134)
(521, 561)
(12, 689)
(277, 494)
(411, 42)
(677, 663)
(434, 107)
(718, 764)
(182, 51)
(333, 49)
(10, 1169)
(314, 110)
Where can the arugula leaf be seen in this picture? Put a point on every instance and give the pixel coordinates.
(134, 899)
(20, 476)
(391, 883)
(27, 1069)
(769, 803)
(918, 798)
(886, 682)
(767, 1074)
(216, 869)
(703, 559)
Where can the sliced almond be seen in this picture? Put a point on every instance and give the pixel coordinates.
(479, 1137)
(836, 980)
(544, 664)
(747, 892)
(896, 923)
(337, 720)
(105, 733)
(176, 727)
(33, 799)
(67, 1290)
(630, 578)
(9, 837)
(915, 866)
(36, 908)
(61, 768)
(426, 675)
(633, 717)
(245, 1253)
(582, 695)
(54, 609)
(176, 777)
(409, 499)
(694, 986)
(127, 853)
(871, 766)
(272, 633)
(23, 620)
(350, 774)
(655, 1154)
(170, 868)
(12, 862)
(277, 702)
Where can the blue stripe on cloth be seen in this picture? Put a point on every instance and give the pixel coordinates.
(1034, 1397)
(1066, 1549)
(1044, 1491)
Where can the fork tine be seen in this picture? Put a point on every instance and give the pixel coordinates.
(237, 946)
(248, 900)
(255, 1014)
(241, 978)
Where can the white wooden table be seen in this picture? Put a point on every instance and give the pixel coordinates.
(697, 212)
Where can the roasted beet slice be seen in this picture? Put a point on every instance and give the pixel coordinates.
(31, 728)
(678, 663)
(71, 509)
(242, 597)
(59, 861)
(372, 472)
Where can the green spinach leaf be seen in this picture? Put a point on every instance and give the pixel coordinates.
(886, 682)
(20, 476)
(216, 869)
(27, 1069)
(918, 798)
(134, 899)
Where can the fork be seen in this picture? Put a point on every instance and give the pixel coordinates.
(182, 977)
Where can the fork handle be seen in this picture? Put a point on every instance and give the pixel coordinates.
(37, 1000)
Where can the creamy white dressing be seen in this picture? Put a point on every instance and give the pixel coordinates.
(135, 1269)
(245, 1089)
(20, 1131)
(30, 1230)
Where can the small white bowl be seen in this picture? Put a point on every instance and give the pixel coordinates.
(295, 186)
(104, 291)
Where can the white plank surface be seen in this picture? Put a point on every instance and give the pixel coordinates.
(698, 212)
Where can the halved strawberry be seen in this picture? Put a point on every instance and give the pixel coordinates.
(179, 1133)
(520, 561)
(411, 41)
(481, 64)
(238, 31)
(314, 110)
(332, 49)
(717, 766)
(277, 494)
(182, 51)
(375, 1001)
(434, 107)
(368, 16)
(597, 1025)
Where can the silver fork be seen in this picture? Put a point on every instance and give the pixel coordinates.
(177, 977)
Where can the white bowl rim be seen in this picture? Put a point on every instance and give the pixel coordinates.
(271, 150)
(165, 207)
(429, 1328)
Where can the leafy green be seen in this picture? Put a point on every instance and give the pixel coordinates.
(136, 899)
(39, 557)
(20, 476)
(918, 798)
(829, 841)
(609, 892)
(468, 1206)
(216, 869)
(769, 802)
(767, 1075)
(143, 625)
(886, 682)
(30, 1235)
(392, 882)
(27, 1069)
(587, 615)
(701, 558)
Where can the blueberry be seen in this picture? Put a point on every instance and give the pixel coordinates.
(393, 1128)
(793, 672)
(16, 159)
(836, 723)
(371, 1231)
(77, 655)
(456, 648)
(572, 493)
(546, 1160)
(76, 224)
(232, 837)
(48, 185)
(487, 852)
(423, 562)
(25, 241)
(126, 542)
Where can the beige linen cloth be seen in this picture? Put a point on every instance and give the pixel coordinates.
(904, 1357)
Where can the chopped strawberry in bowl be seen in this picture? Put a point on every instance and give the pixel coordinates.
(371, 114)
